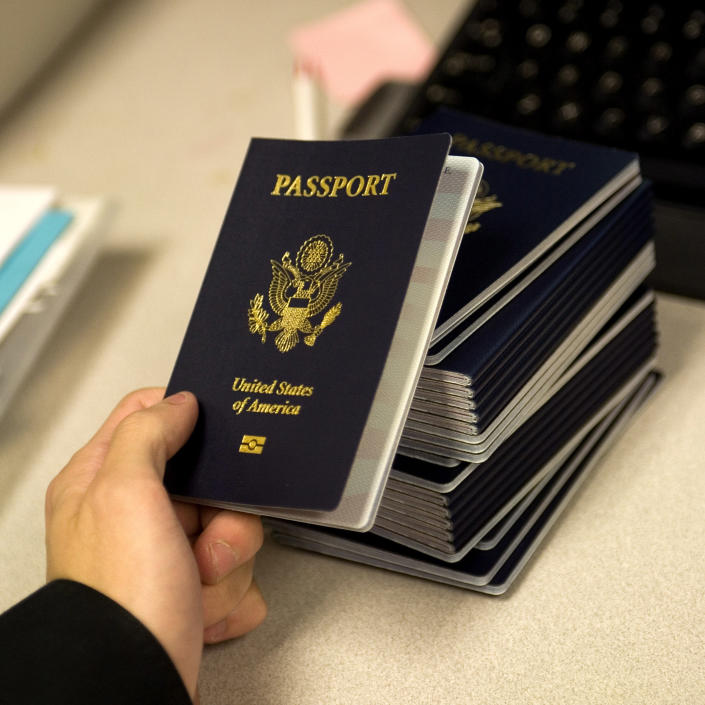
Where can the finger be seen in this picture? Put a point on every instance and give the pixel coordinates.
(84, 464)
(135, 401)
(144, 440)
(228, 540)
(221, 599)
(250, 613)
(97, 446)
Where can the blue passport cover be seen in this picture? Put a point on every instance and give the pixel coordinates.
(602, 254)
(497, 567)
(483, 494)
(293, 323)
(534, 189)
(444, 475)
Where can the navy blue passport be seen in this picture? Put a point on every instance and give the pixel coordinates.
(441, 481)
(535, 190)
(313, 320)
(503, 354)
(492, 571)
(480, 499)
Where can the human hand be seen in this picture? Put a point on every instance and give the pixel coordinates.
(183, 570)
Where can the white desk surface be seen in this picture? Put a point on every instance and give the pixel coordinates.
(154, 109)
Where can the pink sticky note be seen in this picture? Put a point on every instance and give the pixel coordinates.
(352, 51)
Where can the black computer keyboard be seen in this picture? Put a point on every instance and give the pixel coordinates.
(628, 74)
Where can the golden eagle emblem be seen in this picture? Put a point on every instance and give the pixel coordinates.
(299, 291)
(484, 201)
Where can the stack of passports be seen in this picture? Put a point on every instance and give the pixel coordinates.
(543, 347)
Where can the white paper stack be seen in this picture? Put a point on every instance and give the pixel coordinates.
(47, 245)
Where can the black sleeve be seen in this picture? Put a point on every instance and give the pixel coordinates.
(68, 643)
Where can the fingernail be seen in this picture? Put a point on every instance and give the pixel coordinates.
(216, 631)
(223, 558)
(178, 398)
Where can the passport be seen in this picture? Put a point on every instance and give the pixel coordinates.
(544, 348)
(537, 191)
(558, 237)
(496, 486)
(493, 365)
(311, 326)
(493, 567)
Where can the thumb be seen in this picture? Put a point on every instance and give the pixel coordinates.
(146, 439)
